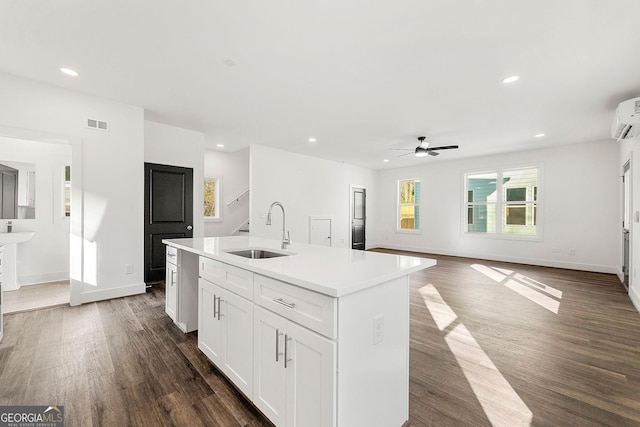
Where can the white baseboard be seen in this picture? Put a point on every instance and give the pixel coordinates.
(34, 279)
(635, 298)
(105, 294)
(597, 268)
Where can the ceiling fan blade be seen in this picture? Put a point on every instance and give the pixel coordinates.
(445, 147)
(433, 153)
(406, 154)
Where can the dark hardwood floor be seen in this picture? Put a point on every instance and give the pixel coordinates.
(491, 344)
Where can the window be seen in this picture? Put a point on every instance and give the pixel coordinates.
(409, 205)
(212, 198)
(503, 202)
(67, 191)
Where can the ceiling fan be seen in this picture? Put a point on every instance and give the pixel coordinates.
(423, 148)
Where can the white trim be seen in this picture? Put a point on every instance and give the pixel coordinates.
(217, 188)
(597, 268)
(330, 218)
(366, 225)
(399, 205)
(500, 204)
(76, 229)
(631, 231)
(105, 294)
(408, 231)
(35, 279)
(635, 298)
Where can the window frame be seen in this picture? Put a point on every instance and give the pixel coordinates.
(536, 204)
(400, 205)
(217, 199)
(64, 185)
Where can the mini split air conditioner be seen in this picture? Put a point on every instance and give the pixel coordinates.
(626, 123)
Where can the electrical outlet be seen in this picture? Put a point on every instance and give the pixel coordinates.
(378, 329)
(128, 268)
(572, 252)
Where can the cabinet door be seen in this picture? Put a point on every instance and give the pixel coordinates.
(209, 326)
(237, 322)
(311, 378)
(269, 374)
(171, 291)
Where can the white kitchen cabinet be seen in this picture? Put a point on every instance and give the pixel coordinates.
(171, 288)
(294, 374)
(353, 315)
(209, 326)
(225, 333)
(181, 288)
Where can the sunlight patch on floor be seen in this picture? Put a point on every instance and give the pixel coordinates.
(537, 292)
(500, 402)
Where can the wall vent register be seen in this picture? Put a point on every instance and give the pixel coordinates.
(97, 124)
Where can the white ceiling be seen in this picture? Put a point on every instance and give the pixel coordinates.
(361, 76)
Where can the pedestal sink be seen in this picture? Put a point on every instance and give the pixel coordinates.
(9, 250)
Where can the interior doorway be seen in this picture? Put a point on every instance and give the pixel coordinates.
(168, 213)
(37, 203)
(358, 217)
(626, 223)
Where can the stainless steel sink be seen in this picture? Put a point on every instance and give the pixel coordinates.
(257, 253)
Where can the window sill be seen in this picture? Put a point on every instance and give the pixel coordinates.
(212, 219)
(494, 236)
(408, 231)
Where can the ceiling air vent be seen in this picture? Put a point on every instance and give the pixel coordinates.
(97, 124)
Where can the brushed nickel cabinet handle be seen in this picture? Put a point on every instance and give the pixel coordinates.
(219, 314)
(285, 303)
(287, 338)
(278, 354)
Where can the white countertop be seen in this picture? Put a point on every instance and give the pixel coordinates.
(331, 271)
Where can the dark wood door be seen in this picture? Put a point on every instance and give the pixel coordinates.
(358, 218)
(168, 213)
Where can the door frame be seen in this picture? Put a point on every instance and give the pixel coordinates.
(628, 162)
(322, 217)
(77, 239)
(148, 249)
(351, 188)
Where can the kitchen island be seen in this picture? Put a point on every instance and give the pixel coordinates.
(312, 335)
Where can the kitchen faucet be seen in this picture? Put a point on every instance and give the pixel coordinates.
(286, 238)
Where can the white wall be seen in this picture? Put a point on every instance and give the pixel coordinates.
(580, 208)
(107, 179)
(45, 257)
(306, 186)
(170, 145)
(232, 169)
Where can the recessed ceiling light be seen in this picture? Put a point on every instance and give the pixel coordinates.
(386, 160)
(538, 135)
(510, 79)
(69, 72)
(220, 145)
(312, 140)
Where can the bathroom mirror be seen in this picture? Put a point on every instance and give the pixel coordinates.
(17, 190)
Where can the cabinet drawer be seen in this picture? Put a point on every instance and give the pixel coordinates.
(172, 255)
(311, 309)
(231, 278)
